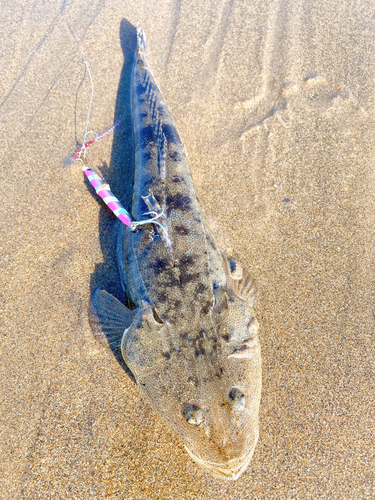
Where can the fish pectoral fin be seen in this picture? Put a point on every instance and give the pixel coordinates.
(109, 318)
(240, 280)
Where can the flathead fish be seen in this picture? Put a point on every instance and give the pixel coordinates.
(191, 339)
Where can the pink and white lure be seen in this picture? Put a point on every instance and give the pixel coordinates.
(104, 191)
(101, 188)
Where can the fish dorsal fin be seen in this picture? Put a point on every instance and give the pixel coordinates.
(240, 280)
(111, 318)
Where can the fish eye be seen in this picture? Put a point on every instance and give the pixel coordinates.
(237, 399)
(193, 415)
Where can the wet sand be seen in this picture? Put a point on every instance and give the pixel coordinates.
(274, 102)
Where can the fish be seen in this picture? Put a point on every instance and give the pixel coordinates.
(189, 336)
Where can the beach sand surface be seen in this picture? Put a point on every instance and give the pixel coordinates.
(274, 101)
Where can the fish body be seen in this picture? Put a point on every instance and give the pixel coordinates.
(191, 340)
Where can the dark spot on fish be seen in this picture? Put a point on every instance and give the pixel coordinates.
(177, 179)
(232, 264)
(160, 266)
(186, 260)
(181, 230)
(162, 297)
(177, 304)
(175, 155)
(219, 374)
(186, 277)
(201, 288)
(171, 133)
(172, 282)
(179, 202)
(225, 337)
(146, 155)
(200, 351)
(166, 355)
(147, 135)
(206, 308)
(197, 219)
(140, 89)
(185, 265)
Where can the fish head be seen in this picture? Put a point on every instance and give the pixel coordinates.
(225, 421)
(221, 422)
(207, 389)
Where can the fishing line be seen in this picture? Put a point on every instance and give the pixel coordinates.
(103, 189)
(91, 98)
(81, 151)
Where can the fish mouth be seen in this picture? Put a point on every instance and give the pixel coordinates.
(231, 470)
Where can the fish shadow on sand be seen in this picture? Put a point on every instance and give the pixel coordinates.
(120, 176)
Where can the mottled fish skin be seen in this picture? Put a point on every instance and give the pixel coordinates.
(192, 340)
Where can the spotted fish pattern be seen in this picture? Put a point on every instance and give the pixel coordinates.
(191, 338)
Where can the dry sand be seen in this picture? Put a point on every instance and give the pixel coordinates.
(274, 101)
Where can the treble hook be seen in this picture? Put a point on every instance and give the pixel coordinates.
(136, 224)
